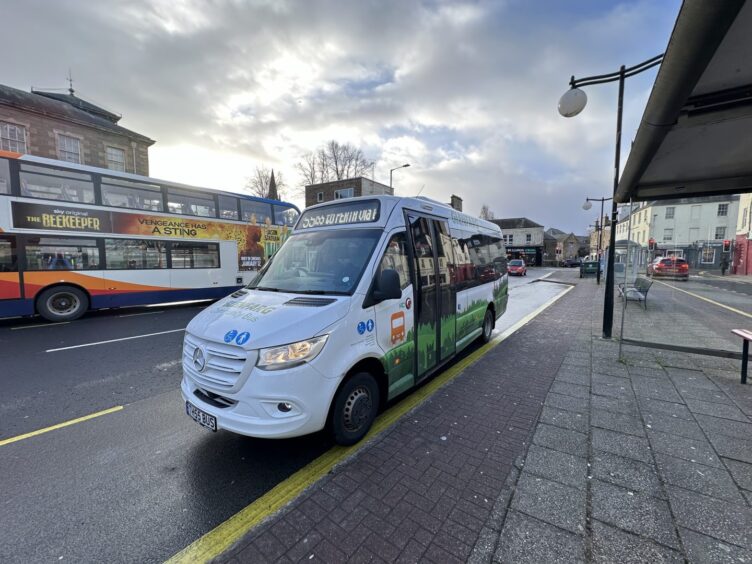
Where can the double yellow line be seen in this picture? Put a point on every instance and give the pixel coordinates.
(219, 539)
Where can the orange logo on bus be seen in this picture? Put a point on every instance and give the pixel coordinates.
(398, 327)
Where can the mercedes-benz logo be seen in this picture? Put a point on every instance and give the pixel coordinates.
(199, 361)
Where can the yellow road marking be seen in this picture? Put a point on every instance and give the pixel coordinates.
(60, 425)
(703, 298)
(222, 537)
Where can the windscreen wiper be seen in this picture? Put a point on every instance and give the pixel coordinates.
(265, 289)
(320, 292)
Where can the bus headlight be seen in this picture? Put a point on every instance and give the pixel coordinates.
(287, 356)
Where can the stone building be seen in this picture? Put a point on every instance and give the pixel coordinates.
(602, 228)
(68, 128)
(523, 239)
(346, 188)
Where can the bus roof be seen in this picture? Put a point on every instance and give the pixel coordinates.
(131, 176)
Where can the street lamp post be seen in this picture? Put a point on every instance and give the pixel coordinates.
(395, 168)
(586, 206)
(572, 103)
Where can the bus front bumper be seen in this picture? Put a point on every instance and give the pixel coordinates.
(278, 404)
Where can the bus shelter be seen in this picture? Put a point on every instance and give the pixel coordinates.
(694, 142)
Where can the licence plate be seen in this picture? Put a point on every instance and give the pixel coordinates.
(201, 417)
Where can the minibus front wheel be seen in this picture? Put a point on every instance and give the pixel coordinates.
(355, 407)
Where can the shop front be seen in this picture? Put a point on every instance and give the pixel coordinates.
(533, 256)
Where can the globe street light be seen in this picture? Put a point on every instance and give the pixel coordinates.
(395, 168)
(572, 103)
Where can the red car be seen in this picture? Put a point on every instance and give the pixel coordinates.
(517, 267)
(669, 266)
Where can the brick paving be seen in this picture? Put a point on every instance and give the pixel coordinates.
(652, 461)
(548, 449)
(427, 489)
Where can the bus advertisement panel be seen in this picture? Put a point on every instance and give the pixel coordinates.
(253, 240)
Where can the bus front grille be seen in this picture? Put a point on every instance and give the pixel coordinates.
(224, 365)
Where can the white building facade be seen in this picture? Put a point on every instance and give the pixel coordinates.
(694, 229)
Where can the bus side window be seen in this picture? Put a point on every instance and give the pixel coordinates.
(396, 258)
(8, 254)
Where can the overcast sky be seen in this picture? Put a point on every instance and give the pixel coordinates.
(465, 92)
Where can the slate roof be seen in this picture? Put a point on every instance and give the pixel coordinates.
(67, 107)
(80, 103)
(516, 223)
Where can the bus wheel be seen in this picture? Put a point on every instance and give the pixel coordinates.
(62, 303)
(355, 408)
(488, 324)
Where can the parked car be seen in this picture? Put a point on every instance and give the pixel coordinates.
(673, 267)
(516, 267)
(572, 263)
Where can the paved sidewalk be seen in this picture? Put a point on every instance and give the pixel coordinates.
(548, 449)
(646, 460)
(425, 489)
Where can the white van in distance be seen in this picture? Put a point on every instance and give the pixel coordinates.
(366, 298)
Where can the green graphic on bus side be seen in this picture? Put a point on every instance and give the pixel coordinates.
(448, 335)
(471, 319)
(501, 297)
(426, 346)
(399, 360)
(399, 365)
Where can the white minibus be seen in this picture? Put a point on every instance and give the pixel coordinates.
(365, 299)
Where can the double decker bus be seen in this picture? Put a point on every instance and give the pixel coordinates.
(75, 238)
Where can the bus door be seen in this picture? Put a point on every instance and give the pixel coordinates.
(10, 281)
(434, 293)
(447, 292)
(394, 319)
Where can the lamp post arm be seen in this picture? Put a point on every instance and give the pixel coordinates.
(615, 76)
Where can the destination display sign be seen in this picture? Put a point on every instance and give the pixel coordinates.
(340, 214)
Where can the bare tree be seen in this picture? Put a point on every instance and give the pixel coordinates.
(333, 161)
(308, 169)
(486, 213)
(258, 183)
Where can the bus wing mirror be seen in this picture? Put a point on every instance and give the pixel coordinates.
(388, 286)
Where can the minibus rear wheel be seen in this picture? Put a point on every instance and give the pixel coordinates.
(488, 325)
(355, 407)
(62, 303)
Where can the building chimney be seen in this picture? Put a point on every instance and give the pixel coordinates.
(456, 202)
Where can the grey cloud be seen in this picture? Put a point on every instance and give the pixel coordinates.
(491, 71)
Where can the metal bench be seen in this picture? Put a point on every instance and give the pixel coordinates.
(746, 338)
(637, 291)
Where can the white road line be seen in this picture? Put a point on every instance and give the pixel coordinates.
(142, 313)
(114, 340)
(40, 325)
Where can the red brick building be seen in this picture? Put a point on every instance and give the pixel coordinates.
(65, 127)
